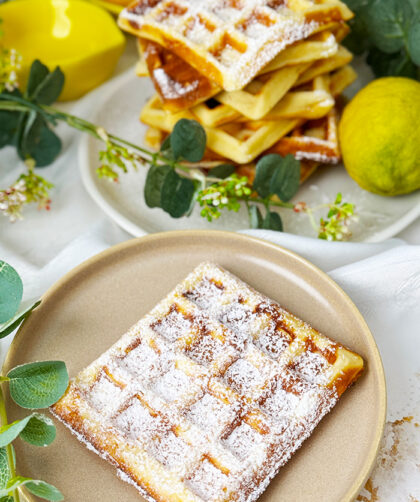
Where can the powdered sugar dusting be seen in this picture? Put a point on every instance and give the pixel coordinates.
(206, 396)
(236, 39)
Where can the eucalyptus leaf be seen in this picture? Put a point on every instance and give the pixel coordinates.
(11, 291)
(414, 39)
(166, 144)
(38, 141)
(188, 140)
(154, 182)
(50, 88)
(38, 385)
(10, 432)
(37, 74)
(277, 175)
(11, 325)
(286, 178)
(9, 123)
(4, 468)
(177, 194)
(39, 431)
(44, 490)
(222, 171)
(255, 217)
(415, 5)
(36, 487)
(357, 41)
(264, 172)
(272, 221)
(389, 22)
(398, 64)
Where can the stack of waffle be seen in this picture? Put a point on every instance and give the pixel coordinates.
(261, 76)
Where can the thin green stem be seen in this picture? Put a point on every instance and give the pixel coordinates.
(29, 105)
(9, 450)
(311, 217)
(277, 203)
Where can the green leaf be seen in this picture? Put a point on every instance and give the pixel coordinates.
(9, 124)
(44, 87)
(357, 41)
(36, 487)
(389, 21)
(286, 178)
(11, 291)
(4, 468)
(38, 385)
(37, 74)
(44, 490)
(177, 194)
(384, 65)
(50, 88)
(7, 499)
(39, 431)
(10, 432)
(255, 217)
(414, 39)
(36, 429)
(265, 170)
(356, 5)
(277, 175)
(188, 140)
(415, 5)
(38, 141)
(222, 171)
(154, 182)
(11, 325)
(166, 145)
(272, 221)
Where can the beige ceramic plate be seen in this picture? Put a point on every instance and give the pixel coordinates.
(88, 310)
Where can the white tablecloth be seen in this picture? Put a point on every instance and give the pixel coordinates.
(382, 279)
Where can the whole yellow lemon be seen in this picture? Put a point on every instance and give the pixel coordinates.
(380, 136)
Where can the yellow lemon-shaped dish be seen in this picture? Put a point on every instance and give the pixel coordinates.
(80, 37)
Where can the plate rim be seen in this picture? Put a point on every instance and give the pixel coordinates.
(91, 183)
(370, 458)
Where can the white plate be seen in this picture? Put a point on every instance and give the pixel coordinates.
(380, 217)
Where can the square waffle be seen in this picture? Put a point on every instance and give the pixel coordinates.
(154, 138)
(207, 396)
(317, 140)
(178, 84)
(286, 129)
(230, 41)
(256, 99)
(242, 140)
(181, 86)
(341, 58)
(314, 140)
(313, 102)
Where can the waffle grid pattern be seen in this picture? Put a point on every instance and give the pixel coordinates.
(209, 394)
(229, 40)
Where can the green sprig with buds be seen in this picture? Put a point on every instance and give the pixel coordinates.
(31, 386)
(177, 178)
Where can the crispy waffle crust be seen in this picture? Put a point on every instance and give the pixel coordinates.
(284, 130)
(208, 395)
(230, 41)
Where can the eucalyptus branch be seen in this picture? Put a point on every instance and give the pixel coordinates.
(177, 176)
(9, 448)
(31, 386)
